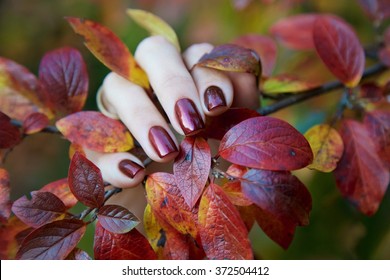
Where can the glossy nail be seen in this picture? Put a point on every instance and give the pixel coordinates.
(188, 116)
(214, 98)
(161, 141)
(129, 168)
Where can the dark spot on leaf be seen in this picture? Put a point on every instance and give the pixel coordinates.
(161, 241)
(188, 156)
(292, 153)
(164, 202)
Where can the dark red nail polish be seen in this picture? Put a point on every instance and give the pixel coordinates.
(189, 118)
(161, 141)
(214, 98)
(129, 168)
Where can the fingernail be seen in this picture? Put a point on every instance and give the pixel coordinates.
(214, 98)
(129, 168)
(189, 118)
(161, 141)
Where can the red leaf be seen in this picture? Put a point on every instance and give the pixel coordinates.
(128, 246)
(378, 126)
(78, 255)
(9, 134)
(339, 48)
(117, 219)
(5, 202)
(86, 182)
(232, 58)
(295, 32)
(34, 123)
(64, 76)
(371, 92)
(166, 199)
(247, 214)
(233, 189)
(280, 194)
(264, 46)
(376, 9)
(192, 167)
(52, 241)
(217, 126)
(266, 143)
(61, 189)
(95, 131)
(43, 208)
(360, 174)
(222, 232)
(9, 237)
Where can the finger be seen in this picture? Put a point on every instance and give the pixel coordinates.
(135, 109)
(172, 84)
(122, 170)
(214, 87)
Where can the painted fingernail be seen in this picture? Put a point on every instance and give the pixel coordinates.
(214, 98)
(189, 118)
(129, 168)
(161, 141)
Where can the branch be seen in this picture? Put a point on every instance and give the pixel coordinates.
(47, 129)
(325, 88)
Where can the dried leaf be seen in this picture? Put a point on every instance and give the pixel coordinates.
(61, 189)
(34, 123)
(192, 167)
(128, 246)
(295, 32)
(78, 255)
(232, 58)
(222, 232)
(52, 241)
(165, 198)
(339, 48)
(63, 74)
(378, 126)
(154, 25)
(117, 219)
(5, 202)
(9, 134)
(266, 143)
(327, 147)
(43, 208)
(86, 182)
(286, 84)
(280, 194)
(264, 46)
(95, 131)
(109, 49)
(376, 9)
(360, 174)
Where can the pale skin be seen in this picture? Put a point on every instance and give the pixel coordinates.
(205, 91)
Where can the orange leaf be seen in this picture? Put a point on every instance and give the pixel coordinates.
(95, 131)
(233, 189)
(8, 242)
(109, 49)
(327, 147)
(61, 189)
(223, 234)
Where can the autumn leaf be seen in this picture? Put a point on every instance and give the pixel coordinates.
(191, 168)
(154, 25)
(165, 198)
(232, 187)
(52, 241)
(43, 208)
(371, 92)
(266, 143)
(117, 219)
(64, 76)
(339, 48)
(61, 189)
(378, 126)
(376, 9)
(128, 246)
(360, 174)
(223, 234)
(86, 182)
(264, 46)
(20, 91)
(35, 123)
(95, 131)
(5, 191)
(327, 147)
(286, 84)
(295, 32)
(9, 134)
(232, 58)
(109, 49)
(247, 214)
(78, 255)
(8, 237)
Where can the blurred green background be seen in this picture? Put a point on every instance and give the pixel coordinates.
(29, 28)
